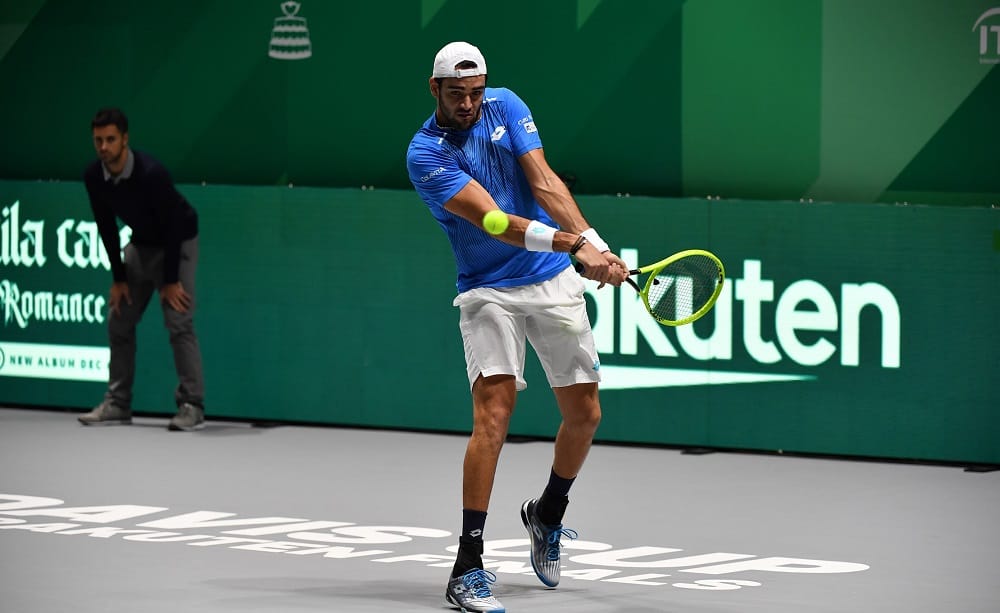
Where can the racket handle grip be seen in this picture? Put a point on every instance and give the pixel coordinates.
(580, 268)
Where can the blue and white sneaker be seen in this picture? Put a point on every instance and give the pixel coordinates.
(472, 594)
(545, 545)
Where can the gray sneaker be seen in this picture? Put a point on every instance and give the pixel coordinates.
(472, 594)
(189, 417)
(545, 545)
(106, 413)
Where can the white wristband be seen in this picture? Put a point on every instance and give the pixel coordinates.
(538, 236)
(595, 240)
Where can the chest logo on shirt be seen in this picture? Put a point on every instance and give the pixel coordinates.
(498, 133)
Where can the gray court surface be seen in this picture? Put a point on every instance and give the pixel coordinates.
(297, 518)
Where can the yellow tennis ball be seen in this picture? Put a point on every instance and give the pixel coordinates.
(495, 222)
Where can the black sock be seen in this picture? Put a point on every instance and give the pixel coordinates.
(470, 543)
(552, 504)
(473, 524)
(470, 555)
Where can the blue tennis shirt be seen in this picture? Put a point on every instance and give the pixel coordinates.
(441, 162)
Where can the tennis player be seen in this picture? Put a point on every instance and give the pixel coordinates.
(480, 151)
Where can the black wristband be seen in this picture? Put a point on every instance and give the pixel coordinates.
(580, 241)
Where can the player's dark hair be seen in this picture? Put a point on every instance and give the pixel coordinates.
(110, 116)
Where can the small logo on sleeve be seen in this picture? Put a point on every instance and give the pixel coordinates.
(427, 177)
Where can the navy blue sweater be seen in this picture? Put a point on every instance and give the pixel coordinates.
(148, 203)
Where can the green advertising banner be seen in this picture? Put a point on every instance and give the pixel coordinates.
(840, 100)
(853, 329)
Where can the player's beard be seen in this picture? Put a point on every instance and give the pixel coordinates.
(455, 121)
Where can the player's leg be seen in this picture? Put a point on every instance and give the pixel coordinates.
(493, 404)
(543, 516)
(493, 401)
(493, 337)
(581, 415)
(561, 335)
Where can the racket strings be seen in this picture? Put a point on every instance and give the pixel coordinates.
(682, 288)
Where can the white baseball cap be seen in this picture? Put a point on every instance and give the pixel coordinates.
(452, 55)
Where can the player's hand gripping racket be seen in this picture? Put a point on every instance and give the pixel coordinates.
(680, 288)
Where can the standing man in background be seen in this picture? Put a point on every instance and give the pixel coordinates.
(162, 255)
(479, 152)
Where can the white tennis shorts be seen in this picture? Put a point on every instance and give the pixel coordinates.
(551, 315)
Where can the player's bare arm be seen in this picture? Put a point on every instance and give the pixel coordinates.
(472, 202)
(553, 195)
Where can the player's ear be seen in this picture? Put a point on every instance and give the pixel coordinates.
(435, 88)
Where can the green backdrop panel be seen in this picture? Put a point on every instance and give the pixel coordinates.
(835, 100)
(852, 329)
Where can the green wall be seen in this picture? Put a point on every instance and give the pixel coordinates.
(838, 100)
(857, 329)
(328, 303)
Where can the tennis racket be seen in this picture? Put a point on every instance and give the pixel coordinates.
(680, 288)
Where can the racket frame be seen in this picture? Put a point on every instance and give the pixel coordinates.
(655, 269)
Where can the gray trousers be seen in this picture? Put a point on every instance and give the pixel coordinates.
(144, 268)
